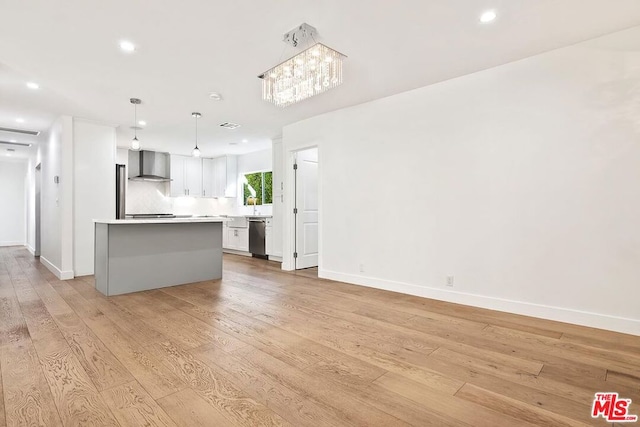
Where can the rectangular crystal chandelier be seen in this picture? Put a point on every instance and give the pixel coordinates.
(311, 72)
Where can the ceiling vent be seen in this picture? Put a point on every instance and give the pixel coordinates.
(228, 125)
(21, 131)
(19, 144)
(11, 150)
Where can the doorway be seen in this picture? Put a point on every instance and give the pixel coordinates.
(38, 185)
(306, 208)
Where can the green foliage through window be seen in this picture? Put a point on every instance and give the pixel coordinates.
(258, 185)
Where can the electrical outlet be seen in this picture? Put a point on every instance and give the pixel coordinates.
(361, 268)
(450, 281)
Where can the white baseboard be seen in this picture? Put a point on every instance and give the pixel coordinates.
(31, 250)
(83, 273)
(9, 243)
(62, 275)
(233, 251)
(560, 314)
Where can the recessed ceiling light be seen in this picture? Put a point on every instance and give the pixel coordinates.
(142, 123)
(244, 141)
(33, 85)
(215, 96)
(127, 46)
(20, 120)
(488, 16)
(12, 140)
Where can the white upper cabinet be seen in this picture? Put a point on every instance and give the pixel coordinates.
(208, 187)
(193, 176)
(178, 187)
(186, 176)
(220, 176)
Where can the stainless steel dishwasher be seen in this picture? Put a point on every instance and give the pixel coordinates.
(257, 236)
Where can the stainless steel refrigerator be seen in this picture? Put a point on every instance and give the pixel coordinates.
(121, 189)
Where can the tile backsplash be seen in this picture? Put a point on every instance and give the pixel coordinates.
(145, 197)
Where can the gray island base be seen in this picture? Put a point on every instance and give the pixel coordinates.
(138, 255)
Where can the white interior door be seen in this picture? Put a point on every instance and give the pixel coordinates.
(307, 209)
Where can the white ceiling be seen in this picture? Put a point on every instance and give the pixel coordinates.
(189, 48)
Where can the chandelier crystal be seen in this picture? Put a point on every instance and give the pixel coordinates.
(311, 72)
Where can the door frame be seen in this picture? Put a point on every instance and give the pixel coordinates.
(37, 210)
(288, 219)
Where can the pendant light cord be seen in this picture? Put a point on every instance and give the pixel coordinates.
(135, 121)
(196, 131)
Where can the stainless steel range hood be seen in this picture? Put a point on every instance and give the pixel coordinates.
(147, 165)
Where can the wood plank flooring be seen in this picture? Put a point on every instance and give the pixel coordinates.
(263, 347)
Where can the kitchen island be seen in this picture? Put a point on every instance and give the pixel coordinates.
(134, 255)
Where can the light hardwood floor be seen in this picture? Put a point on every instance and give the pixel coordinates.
(263, 347)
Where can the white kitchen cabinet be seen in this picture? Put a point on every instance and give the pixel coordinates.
(178, 187)
(236, 234)
(208, 172)
(268, 236)
(193, 176)
(238, 239)
(186, 176)
(219, 177)
(226, 176)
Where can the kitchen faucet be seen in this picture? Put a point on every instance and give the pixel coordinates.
(255, 199)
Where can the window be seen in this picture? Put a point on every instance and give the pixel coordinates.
(258, 185)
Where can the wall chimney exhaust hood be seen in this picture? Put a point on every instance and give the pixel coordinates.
(145, 165)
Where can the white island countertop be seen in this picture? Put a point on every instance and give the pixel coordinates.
(159, 220)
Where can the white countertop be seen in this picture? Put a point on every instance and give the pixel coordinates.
(159, 220)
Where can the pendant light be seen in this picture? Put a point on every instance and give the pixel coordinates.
(135, 144)
(196, 151)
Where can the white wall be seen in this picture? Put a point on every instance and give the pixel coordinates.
(520, 181)
(257, 161)
(13, 226)
(31, 200)
(94, 158)
(56, 154)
